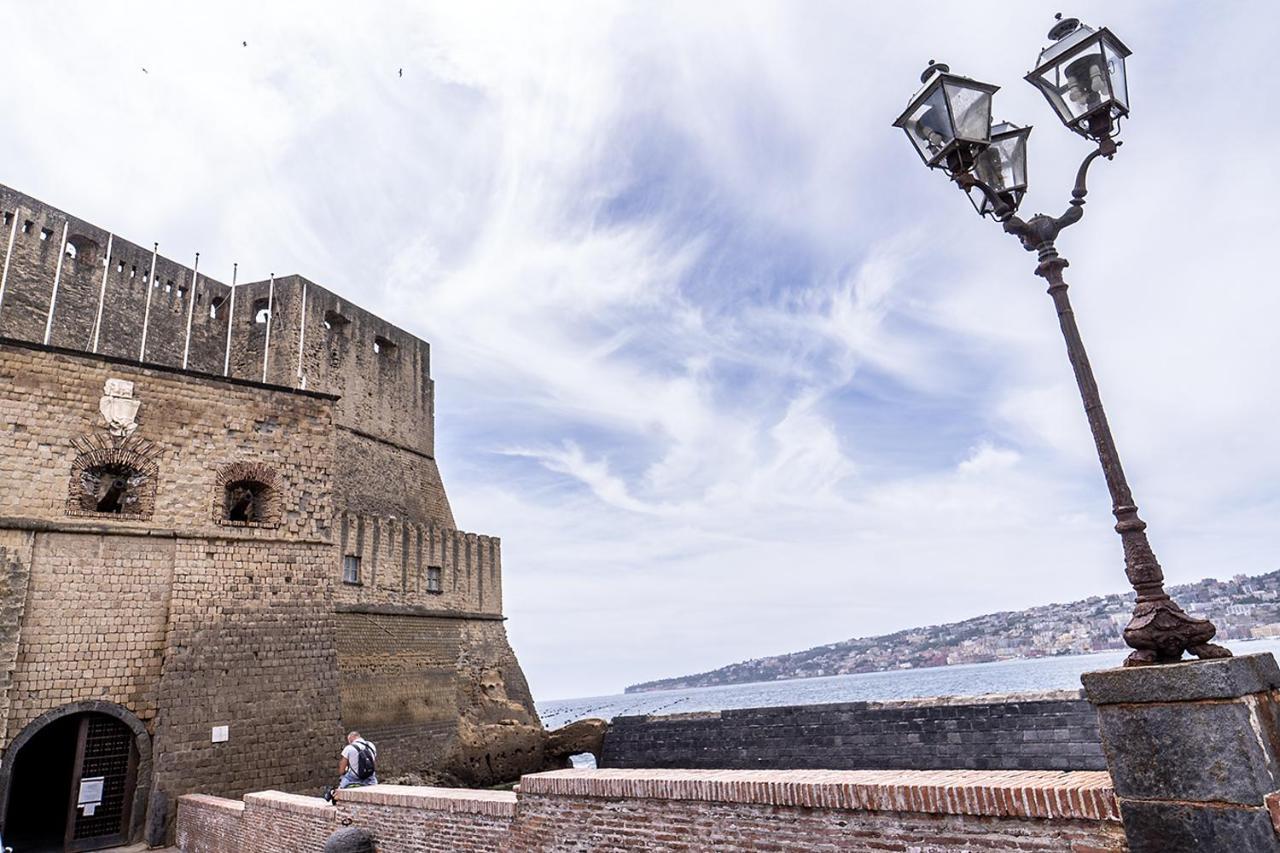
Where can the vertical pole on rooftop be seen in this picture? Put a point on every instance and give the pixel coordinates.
(231, 313)
(266, 346)
(8, 253)
(302, 335)
(191, 311)
(146, 313)
(57, 278)
(102, 294)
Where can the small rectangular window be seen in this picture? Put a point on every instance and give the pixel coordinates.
(46, 233)
(351, 569)
(8, 217)
(433, 579)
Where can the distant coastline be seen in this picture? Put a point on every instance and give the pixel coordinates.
(1243, 607)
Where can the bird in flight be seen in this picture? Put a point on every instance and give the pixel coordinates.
(244, 44)
(145, 71)
(400, 73)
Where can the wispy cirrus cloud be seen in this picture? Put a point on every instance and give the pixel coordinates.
(727, 371)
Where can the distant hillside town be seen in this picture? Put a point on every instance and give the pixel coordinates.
(1242, 608)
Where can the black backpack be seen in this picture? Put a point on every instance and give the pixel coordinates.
(364, 760)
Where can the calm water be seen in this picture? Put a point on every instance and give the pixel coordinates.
(1014, 676)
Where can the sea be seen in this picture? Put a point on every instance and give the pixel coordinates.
(1011, 676)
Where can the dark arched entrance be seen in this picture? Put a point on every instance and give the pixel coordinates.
(75, 779)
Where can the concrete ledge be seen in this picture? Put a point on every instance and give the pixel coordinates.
(374, 609)
(1082, 795)
(1224, 678)
(236, 806)
(492, 803)
(296, 803)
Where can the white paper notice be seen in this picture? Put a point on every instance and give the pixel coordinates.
(220, 734)
(90, 793)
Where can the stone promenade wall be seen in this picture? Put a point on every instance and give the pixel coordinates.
(1044, 731)
(616, 810)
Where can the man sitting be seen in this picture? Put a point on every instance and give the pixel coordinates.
(356, 767)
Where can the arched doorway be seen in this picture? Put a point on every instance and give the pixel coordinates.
(71, 780)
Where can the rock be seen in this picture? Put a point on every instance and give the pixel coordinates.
(573, 739)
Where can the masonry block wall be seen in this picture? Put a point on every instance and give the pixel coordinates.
(176, 614)
(1018, 733)
(186, 622)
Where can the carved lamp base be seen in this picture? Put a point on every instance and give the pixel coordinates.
(1161, 631)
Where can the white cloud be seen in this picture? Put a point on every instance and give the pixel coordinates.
(725, 368)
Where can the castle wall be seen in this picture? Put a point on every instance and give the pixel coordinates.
(1027, 732)
(187, 620)
(183, 619)
(318, 341)
(188, 426)
(251, 647)
(396, 556)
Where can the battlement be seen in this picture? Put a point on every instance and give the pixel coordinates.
(68, 283)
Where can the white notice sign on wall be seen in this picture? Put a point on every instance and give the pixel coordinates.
(220, 734)
(90, 794)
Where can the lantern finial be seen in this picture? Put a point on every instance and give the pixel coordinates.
(1064, 27)
(939, 67)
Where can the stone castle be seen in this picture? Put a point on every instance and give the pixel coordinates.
(224, 541)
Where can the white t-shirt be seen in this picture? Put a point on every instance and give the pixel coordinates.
(352, 755)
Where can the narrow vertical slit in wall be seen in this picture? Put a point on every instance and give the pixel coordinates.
(418, 577)
(404, 558)
(374, 553)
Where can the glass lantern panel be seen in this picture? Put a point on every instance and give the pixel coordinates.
(979, 200)
(971, 110)
(1047, 82)
(929, 126)
(1003, 165)
(1115, 70)
(991, 168)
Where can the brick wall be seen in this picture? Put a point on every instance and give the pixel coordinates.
(692, 810)
(1044, 731)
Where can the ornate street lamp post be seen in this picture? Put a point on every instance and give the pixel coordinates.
(1082, 75)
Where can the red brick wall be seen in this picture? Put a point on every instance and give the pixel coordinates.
(617, 810)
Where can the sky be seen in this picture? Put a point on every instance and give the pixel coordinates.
(726, 368)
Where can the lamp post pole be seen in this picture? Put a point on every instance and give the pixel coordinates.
(948, 121)
(1160, 631)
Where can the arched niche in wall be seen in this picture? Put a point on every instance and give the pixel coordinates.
(247, 495)
(83, 249)
(112, 479)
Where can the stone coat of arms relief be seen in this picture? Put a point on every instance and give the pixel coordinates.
(119, 408)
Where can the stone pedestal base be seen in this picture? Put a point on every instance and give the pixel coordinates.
(1193, 749)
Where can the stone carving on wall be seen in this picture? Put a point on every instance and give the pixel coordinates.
(119, 408)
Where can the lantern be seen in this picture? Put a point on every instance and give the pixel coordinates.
(1002, 166)
(1082, 76)
(949, 120)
